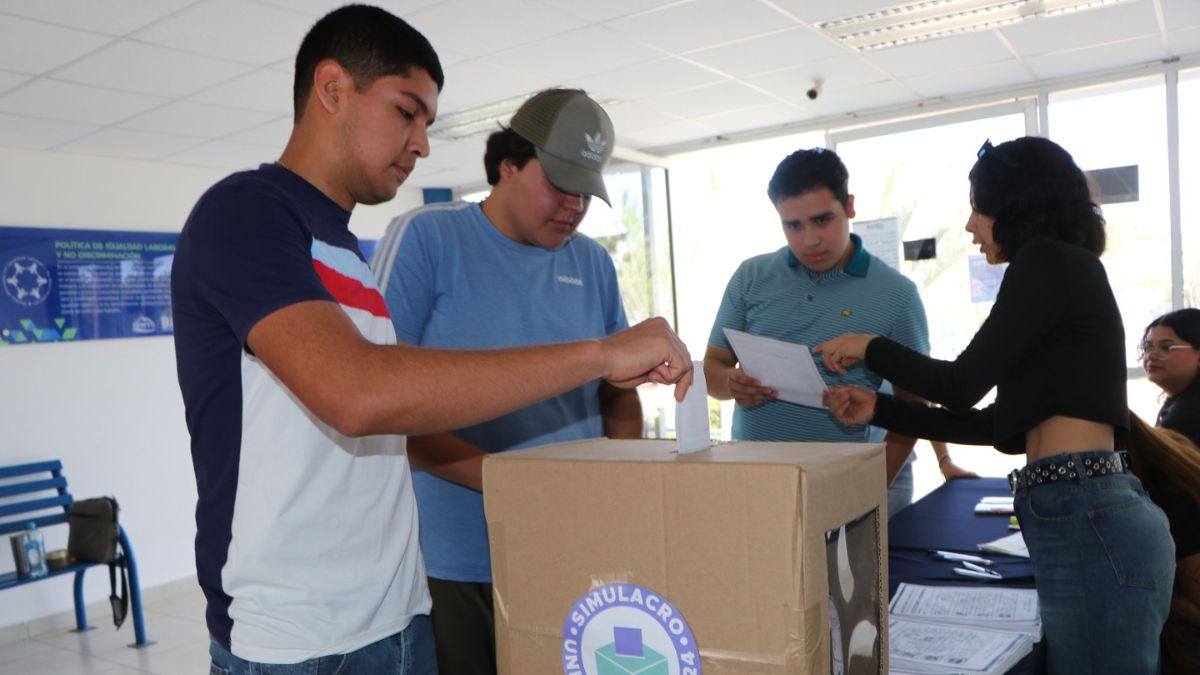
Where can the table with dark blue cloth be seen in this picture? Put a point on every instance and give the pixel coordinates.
(945, 520)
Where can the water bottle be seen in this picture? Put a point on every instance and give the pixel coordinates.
(35, 551)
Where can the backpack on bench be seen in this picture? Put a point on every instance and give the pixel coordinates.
(94, 532)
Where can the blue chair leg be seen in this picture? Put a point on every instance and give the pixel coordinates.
(81, 624)
(135, 594)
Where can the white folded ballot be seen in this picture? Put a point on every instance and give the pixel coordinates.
(783, 366)
(691, 415)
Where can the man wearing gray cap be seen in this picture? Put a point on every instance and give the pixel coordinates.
(507, 272)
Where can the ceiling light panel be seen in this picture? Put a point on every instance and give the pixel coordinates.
(932, 19)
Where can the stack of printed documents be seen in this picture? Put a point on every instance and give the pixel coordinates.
(961, 629)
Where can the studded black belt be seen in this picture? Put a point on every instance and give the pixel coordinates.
(1073, 468)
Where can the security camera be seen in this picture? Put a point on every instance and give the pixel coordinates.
(814, 91)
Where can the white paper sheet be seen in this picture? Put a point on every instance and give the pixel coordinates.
(783, 366)
(691, 414)
(1013, 544)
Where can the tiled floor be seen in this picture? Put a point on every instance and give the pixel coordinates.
(175, 624)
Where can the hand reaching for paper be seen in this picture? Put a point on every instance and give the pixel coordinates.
(843, 351)
(849, 404)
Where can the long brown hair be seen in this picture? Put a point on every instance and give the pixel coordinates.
(1162, 459)
(1166, 462)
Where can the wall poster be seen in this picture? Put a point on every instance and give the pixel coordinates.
(65, 285)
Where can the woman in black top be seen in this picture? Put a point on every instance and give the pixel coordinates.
(1170, 353)
(1053, 346)
(1171, 356)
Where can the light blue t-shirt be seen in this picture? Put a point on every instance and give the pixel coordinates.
(775, 296)
(452, 280)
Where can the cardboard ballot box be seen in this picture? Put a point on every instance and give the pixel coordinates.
(616, 557)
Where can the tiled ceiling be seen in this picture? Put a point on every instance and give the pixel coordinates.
(208, 82)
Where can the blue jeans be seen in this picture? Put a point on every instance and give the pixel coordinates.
(409, 652)
(1104, 565)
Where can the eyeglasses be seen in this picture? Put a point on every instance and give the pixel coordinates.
(1000, 155)
(1160, 351)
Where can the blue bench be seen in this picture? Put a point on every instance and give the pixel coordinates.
(37, 493)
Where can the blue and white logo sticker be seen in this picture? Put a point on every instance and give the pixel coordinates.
(618, 629)
(26, 280)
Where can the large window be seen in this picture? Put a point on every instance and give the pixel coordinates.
(1139, 221)
(1189, 178)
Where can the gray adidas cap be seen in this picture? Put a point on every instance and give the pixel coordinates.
(573, 138)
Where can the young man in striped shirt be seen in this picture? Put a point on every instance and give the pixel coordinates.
(821, 284)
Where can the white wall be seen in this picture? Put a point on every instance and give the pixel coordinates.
(109, 409)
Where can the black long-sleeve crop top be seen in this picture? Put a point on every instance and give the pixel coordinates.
(1052, 345)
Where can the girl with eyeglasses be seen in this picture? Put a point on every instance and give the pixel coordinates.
(1172, 472)
(1053, 346)
(1170, 354)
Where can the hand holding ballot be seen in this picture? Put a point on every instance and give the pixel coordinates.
(648, 352)
(748, 391)
(773, 369)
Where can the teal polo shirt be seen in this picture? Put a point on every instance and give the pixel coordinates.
(775, 296)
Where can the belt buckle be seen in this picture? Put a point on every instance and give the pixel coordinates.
(1014, 480)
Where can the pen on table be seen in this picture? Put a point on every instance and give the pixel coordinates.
(949, 555)
(973, 570)
(985, 574)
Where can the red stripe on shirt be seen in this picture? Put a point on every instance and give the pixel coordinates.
(350, 292)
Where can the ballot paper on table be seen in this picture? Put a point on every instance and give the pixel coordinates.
(965, 630)
(926, 647)
(783, 366)
(974, 605)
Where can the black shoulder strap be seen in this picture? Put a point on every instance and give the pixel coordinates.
(120, 605)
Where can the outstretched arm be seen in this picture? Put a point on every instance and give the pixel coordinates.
(360, 388)
(855, 405)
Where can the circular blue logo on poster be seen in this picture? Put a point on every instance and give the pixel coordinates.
(26, 280)
(619, 629)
